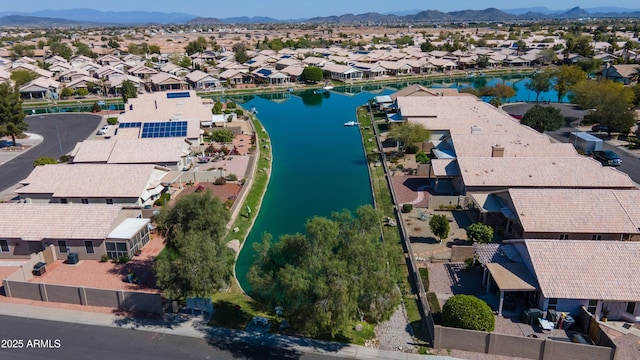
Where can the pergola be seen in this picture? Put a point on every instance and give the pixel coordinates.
(509, 277)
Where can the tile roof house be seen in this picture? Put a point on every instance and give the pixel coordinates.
(126, 184)
(200, 80)
(579, 214)
(89, 231)
(40, 88)
(569, 274)
(172, 153)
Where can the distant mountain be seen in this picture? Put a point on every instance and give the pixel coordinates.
(116, 17)
(89, 17)
(34, 21)
(251, 20)
(403, 12)
(535, 10)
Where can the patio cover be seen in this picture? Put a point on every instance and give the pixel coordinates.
(445, 167)
(512, 277)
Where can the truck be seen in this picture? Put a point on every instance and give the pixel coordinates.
(585, 142)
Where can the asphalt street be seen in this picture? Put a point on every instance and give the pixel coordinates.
(61, 132)
(630, 162)
(60, 340)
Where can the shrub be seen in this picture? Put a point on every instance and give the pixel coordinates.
(232, 177)
(112, 120)
(239, 112)
(123, 259)
(422, 158)
(104, 258)
(468, 312)
(96, 107)
(424, 276)
(220, 181)
(411, 149)
(406, 208)
(164, 198)
(439, 225)
(231, 105)
(480, 233)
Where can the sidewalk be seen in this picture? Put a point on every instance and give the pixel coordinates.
(28, 143)
(195, 327)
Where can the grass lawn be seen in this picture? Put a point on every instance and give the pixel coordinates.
(234, 310)
(258, 188)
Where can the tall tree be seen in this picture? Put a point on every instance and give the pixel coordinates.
(312, 74)
(128, 91)
(240, 51)
(566, 77)
(337, 272)
(21, 77)
(409, 133)
(439, 225)
(499, 92)
(11, 114)
(612, 101)
(543, 118)
(198, 262)
(540, 82)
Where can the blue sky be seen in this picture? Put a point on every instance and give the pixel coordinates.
(287, 9)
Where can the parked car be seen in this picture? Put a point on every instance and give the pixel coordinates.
(603, 128)
(101, 132)
(9, 143)
(607, 157)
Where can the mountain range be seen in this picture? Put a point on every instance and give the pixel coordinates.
(87, 17)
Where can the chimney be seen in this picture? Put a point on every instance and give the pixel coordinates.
(497, 150)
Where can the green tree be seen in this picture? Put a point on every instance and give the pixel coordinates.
(222, 136)
(422, 158)
(185, 62)
(198, 262)
(21, 77)
(60, 49)
(540, 82)
(499, 92)
(409, 133)
(613, 102)
(482, 61)
(312, 74)
(543, 118)
(548, 56)
(128, 91)
(439, 225)
(240, 51)
(20, 50)
(82, 92)
(335, 273)
(478, 232)
(468, 312)
(84, 49)
(44, 160)
(67, 92)
(217, 108)
(566, 78)
(154, 49)
(11, 114)
(113, 43)
(196, 46)
(590, 65)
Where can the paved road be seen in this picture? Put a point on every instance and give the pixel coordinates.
(630, 162)
(78, 341)
(61, 132)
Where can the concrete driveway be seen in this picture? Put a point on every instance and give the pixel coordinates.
(60, 134)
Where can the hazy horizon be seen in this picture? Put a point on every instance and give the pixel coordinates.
(290, 9)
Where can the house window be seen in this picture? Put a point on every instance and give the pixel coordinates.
(596, 237)
(631, 307)
(564, 236)
(4, 246)
(63, 201)
(88, 245)
(109, 201)
(593, 305)
(62, 247)
(116, 249)
(553, 304)
(85, 201)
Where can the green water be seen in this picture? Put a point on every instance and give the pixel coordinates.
(318, 164)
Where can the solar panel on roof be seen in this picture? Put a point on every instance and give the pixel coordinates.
(264, 72)
(129, 125)
(164, 129)
(177, 95)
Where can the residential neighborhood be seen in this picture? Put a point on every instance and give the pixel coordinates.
(187, 113)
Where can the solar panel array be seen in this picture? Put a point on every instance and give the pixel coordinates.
(129, 125)
(164, 129)
(177, 95)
